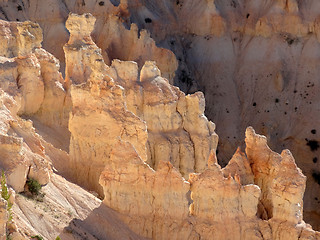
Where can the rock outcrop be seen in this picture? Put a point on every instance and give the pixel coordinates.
(140, 142)
(257, 60)
(177, 128)
(30, 81)
(171, 125)
(155, 204)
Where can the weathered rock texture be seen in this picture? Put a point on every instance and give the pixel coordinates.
(253, 59)
(177, 128)
(110, 28)
(102, 98)
(148, 144)
(155, 203)
(256, 63)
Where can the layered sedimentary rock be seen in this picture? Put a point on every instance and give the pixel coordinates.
(110, 28)
(155, 204)
(103, 111)
(177, 127)
(30, 81)
(259, 69)
(143, 194)
(253, 59)
(145, 137)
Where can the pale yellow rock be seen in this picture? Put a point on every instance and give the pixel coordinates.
(281, 181)
(28, 81)
(116, 111)
(55, 107)
(153, 203)
(99, 115)
(170, 116)
(239, 166)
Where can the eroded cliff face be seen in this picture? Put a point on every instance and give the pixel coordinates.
(155, 204)
(22, 154)
(255, 61)
(258, 196)
(138, 141)
(178, 131)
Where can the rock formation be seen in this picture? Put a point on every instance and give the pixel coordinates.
(142, 143)
(100, 112)
(253, 59)
(155, 204)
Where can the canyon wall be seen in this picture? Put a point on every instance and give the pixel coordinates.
(178, 131)
(147, 142)
(258, 196)
(255, 61)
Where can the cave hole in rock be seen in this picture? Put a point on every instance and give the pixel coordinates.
(19, 8)
(188, 195)
(248, 15)
(313, 131)
(276, 100)
(316, 177)
(116, 3)
(254, 104)
(148, 20)
(313, 144)
(315, 160)
(101, 3)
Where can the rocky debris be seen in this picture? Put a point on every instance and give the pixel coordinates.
(64, 204)
(21, 153)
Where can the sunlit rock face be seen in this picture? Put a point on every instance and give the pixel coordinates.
(157, 204)
(28, 75)
(140, 107)
(255, 61)
(147, 142)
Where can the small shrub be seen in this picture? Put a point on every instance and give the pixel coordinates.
(37, 237)
(58, 238)
(5, 194)
(34, 186)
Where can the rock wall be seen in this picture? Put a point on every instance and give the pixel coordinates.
(112, 25)
(148, 144)
(155, 204)
(253, 59)
(30, 84)
(101, 112)
(256, 63)
(269, 207)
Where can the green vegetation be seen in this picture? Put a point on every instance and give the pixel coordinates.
(33, 186)
(5, 194)
(37, 237)
(58, 238)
